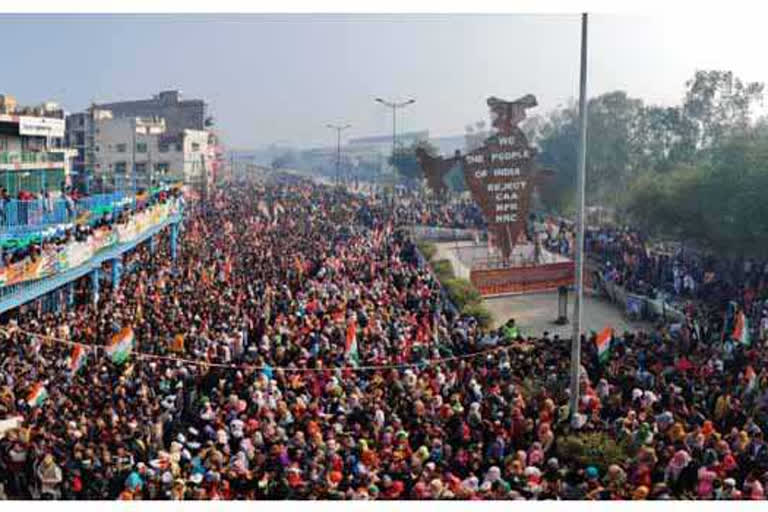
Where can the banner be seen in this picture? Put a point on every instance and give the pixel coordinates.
(523, 279)
(75, 254)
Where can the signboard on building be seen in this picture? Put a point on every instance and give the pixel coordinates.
(41, 126)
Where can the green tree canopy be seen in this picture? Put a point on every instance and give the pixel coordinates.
(405, 161)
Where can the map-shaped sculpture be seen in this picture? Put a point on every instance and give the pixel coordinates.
(500, 174)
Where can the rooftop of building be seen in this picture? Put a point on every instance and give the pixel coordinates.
(171, 97)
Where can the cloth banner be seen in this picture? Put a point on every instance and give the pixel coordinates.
(61, 259)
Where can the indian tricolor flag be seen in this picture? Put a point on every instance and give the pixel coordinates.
(37, 395)
(750, 378)
(351, 345)
(741, 329)
(603, 343)
(76, 359)
(121, 345)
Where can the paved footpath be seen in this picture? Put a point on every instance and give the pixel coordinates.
(536, 313)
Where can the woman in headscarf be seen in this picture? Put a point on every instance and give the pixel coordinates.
(675, 468)
(535, 454)
(50, 477)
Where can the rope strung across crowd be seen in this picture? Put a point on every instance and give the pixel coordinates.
(243, 366)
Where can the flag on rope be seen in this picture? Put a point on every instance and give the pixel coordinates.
(741, 329)
(603, 342)
(37, 395)
(351, 352)
(76, 359)
(121, 345)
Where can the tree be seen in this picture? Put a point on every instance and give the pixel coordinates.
(717, 202)
(611, 143)
(627, 139)
(663, 137)
(405, 161)
(558, 140)
(718, 104)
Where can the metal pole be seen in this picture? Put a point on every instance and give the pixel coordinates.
(338, 129)
(338, 157)
(580, 187)
(394, 146)
(133, 161)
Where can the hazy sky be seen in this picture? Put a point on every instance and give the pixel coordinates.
(282, 78)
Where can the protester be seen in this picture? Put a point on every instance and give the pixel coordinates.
(297, 350)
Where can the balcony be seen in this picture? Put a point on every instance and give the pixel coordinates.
(18, 217)
(19, 157)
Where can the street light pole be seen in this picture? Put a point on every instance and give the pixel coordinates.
(580, 192)
(394, 106)
(338, 129)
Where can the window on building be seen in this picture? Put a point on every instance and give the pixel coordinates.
(122, 148)
(195, 146)
(179, 148)
(120, 167)
(162, 168)
(141, 147)
(163, 148)
(141, 168)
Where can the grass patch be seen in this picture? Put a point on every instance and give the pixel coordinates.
(443, 270)
(482, 314)
(462, 293)
(427, 249)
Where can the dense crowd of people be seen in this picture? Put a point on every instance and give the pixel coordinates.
(413, 209)
(702, 281)
(304, 352)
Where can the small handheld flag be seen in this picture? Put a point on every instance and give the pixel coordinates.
(741, 329)
(603, 342)
(37, 395)
(121, 345)
(351, 352)
(76, 359)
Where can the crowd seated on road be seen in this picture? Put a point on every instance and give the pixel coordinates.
(306, 354)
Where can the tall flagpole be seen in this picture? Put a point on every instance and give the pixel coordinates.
(580, 187)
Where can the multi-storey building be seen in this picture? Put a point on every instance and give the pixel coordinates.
(179, 114)
(180, 150)
(32, 157)
(138, 152)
